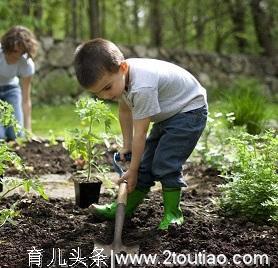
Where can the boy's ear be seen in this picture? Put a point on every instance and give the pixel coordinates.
(124, 66)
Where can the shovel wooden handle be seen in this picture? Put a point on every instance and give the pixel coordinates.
(122, 193)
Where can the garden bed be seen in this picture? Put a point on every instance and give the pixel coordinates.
(59, 224)
(42, 157)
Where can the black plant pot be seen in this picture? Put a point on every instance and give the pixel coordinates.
(1, 185)
(86, 193)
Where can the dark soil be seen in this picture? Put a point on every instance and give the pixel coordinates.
(40, 157)
(60, 225)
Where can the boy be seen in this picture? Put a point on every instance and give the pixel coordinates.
(147, 90)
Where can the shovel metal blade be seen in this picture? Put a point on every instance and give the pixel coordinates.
(113, 249)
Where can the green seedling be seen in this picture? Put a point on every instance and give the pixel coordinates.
(84, 143)
(7, 116)
(52, 138)
(11, 184)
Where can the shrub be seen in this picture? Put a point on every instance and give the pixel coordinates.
(253, 187)
(246, 100)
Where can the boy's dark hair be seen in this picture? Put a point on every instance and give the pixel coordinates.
(22, 37)
(94, 58)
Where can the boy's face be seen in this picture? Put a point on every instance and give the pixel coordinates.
(111, 85)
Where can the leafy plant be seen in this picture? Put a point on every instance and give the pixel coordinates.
(253, 187)
(249, 105)
(10, 184)
(83, 142)
(6, 116)
(7, 158)
(8, 214)
(52, 138)
(7, 119)
(213, 148)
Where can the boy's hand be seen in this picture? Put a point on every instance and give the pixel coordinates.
(131, 177)
(122, 152)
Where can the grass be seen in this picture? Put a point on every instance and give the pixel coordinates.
(245, 97)
(60, 119)
(218, 106)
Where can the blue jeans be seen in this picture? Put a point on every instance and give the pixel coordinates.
(168, 146)
(12, 95)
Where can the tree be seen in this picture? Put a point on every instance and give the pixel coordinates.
(123, 22)
(26, 8)
(199, 23)
(238, 12)
(179, 16)
(135, 19)
(227, 26)
(74, 18)
(94, 18)
(155, 21)
(263, 23)
(103, 18)
(222, 28)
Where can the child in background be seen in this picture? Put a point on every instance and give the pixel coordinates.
(147, 90)
(17, 50)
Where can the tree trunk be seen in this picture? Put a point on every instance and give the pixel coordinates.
(81, 16)
(135, 19)
(155, 21)
(103, 19)
(263, 24)
(179, 14)
(237, 12)
(217, 27)
(67, 6)
(38, 14)
(123, 19)
(74, 19)
(184, 24)
(26, 8)
(199, 25)
(94, 18)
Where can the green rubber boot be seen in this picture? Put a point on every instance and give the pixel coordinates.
(172, 211)
(108, 211)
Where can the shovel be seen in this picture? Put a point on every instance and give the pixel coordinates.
(117, 245)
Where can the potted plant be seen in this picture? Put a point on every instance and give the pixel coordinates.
(82, 145)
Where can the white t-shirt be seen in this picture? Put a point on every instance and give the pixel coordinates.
(9, 73)
(159, 90)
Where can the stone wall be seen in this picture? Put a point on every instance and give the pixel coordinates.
(213, 70)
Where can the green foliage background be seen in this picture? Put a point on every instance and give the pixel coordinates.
(205, 25)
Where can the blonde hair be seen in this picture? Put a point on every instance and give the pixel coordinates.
(22, 37)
